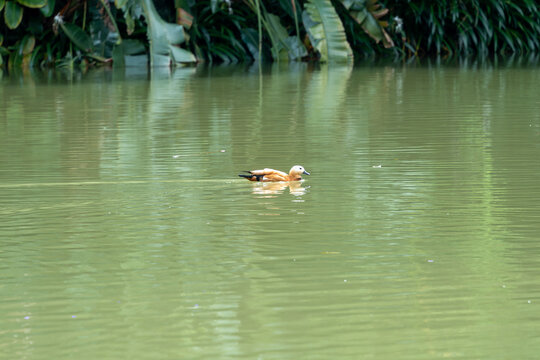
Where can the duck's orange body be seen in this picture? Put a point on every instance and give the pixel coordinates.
(271, 175)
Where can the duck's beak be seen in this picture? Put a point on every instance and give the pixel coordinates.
(305, 172)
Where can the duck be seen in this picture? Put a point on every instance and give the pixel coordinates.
(271, 175)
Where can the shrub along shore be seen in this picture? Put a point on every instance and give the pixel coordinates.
(83, 33)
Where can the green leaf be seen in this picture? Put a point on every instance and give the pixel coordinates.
(366, 15)
(2, 3)
(3, 52)
(180, 55)
(13, 14)
(122, 54)
(161, 35)
(1, 39)
(296, 48)
(48, 9)
(250, 38)
(33, 3)
(77, 35)
(27, 45)
(288, 45)
(36, 56)
(15, 59)
(326, 31)
(118, 56)
(133, 47)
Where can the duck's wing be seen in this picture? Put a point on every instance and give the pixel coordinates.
(270, 175)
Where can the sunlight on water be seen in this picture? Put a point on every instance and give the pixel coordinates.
(126, 232)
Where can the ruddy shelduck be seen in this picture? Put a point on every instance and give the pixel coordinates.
(271, 175)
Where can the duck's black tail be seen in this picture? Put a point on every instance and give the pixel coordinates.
(251, 177)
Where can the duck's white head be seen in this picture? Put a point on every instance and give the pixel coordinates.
(298, 170)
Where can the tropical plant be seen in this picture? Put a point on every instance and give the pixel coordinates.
(14, 10)
(368, 14)
(93, 31)
(136, 32)
(219, 33)
(87, 31)
(326, 31)
(164, 39)
(469, 27)
(289, 29)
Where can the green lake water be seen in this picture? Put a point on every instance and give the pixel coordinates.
(125, 232)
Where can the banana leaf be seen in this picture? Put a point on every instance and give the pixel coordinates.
(287, 46)
(129, 53)
(180, 55)
(326, 31)
(164, 38)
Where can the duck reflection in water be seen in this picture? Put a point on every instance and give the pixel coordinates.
(270, 189)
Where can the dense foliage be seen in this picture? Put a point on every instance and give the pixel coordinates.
(481, 27)
(136, 32)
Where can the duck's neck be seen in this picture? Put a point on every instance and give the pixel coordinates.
(294, 176)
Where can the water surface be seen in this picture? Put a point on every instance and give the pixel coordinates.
(125, 232)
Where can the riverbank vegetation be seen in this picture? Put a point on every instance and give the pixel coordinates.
(71, 33)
